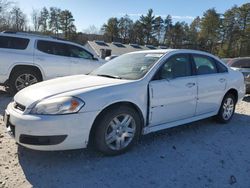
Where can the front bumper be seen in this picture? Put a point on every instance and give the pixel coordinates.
(50, 132)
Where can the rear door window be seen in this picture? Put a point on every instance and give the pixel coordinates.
(54, 48)
(221, 68)
(204, 65)
(13, 42)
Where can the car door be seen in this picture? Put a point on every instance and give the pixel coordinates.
(173, 91)
(53, 58)
(211, 84)
(82, 61)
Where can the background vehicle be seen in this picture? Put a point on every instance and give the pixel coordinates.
(26, 59)
(226, 60)
(133, 94)
(243, 65)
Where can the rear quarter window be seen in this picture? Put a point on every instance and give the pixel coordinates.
(204, 64)
(13, 42)
(220, 67)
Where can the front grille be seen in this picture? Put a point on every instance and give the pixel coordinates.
(19, 106)
(41, 140)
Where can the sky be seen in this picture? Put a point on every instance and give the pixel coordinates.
(97, 12)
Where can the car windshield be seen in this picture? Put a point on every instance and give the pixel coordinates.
(131, 66)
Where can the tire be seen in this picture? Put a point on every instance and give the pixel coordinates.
(227, 108)
(21, 79)
(117, 130)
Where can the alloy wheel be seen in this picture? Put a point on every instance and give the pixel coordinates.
(25, 80)
(228, 108)
(120, 132)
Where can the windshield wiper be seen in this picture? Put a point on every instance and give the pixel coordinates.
(109, 76)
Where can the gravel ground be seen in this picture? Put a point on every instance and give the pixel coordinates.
(200, 154)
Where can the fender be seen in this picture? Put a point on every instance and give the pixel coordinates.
(25, 64)
(142, 112)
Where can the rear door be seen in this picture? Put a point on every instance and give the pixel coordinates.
(12, 50)
(173, 92)
(211, 83)
(53, 58)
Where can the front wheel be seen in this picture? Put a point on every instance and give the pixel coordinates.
(227, 109)
(117, 130)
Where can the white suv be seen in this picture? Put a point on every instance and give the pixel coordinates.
(26, 59)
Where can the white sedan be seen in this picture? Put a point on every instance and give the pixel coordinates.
(131, 95)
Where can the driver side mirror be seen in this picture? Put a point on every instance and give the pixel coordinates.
(160, 76)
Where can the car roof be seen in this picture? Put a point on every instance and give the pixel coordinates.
(165, 51)
(33, 36)
(39, 37)
(240, 58)
(24, 35)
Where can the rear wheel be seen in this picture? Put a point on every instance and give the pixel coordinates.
(227, 108)
(21, 79)
(117, 130)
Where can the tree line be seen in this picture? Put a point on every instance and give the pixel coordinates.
(47, 20)
(226, 34)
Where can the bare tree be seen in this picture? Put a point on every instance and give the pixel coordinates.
(4, 14)
(92, 29)
(4, 5)
(125, 28)
(18, 19)
(35, 19)
(44, 19)
(54, 20)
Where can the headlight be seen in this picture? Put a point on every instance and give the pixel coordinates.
(58, 105)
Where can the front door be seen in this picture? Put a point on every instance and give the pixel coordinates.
(173, 91)
(82, 62)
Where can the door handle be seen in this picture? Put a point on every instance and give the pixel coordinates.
(222, 80)
(191, 84)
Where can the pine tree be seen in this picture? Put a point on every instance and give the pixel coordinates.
(147, 24)
(66, 22)
(111, 29)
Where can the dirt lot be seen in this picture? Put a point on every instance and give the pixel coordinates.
(200, 154)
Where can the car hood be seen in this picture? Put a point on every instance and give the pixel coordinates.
(46, 89)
